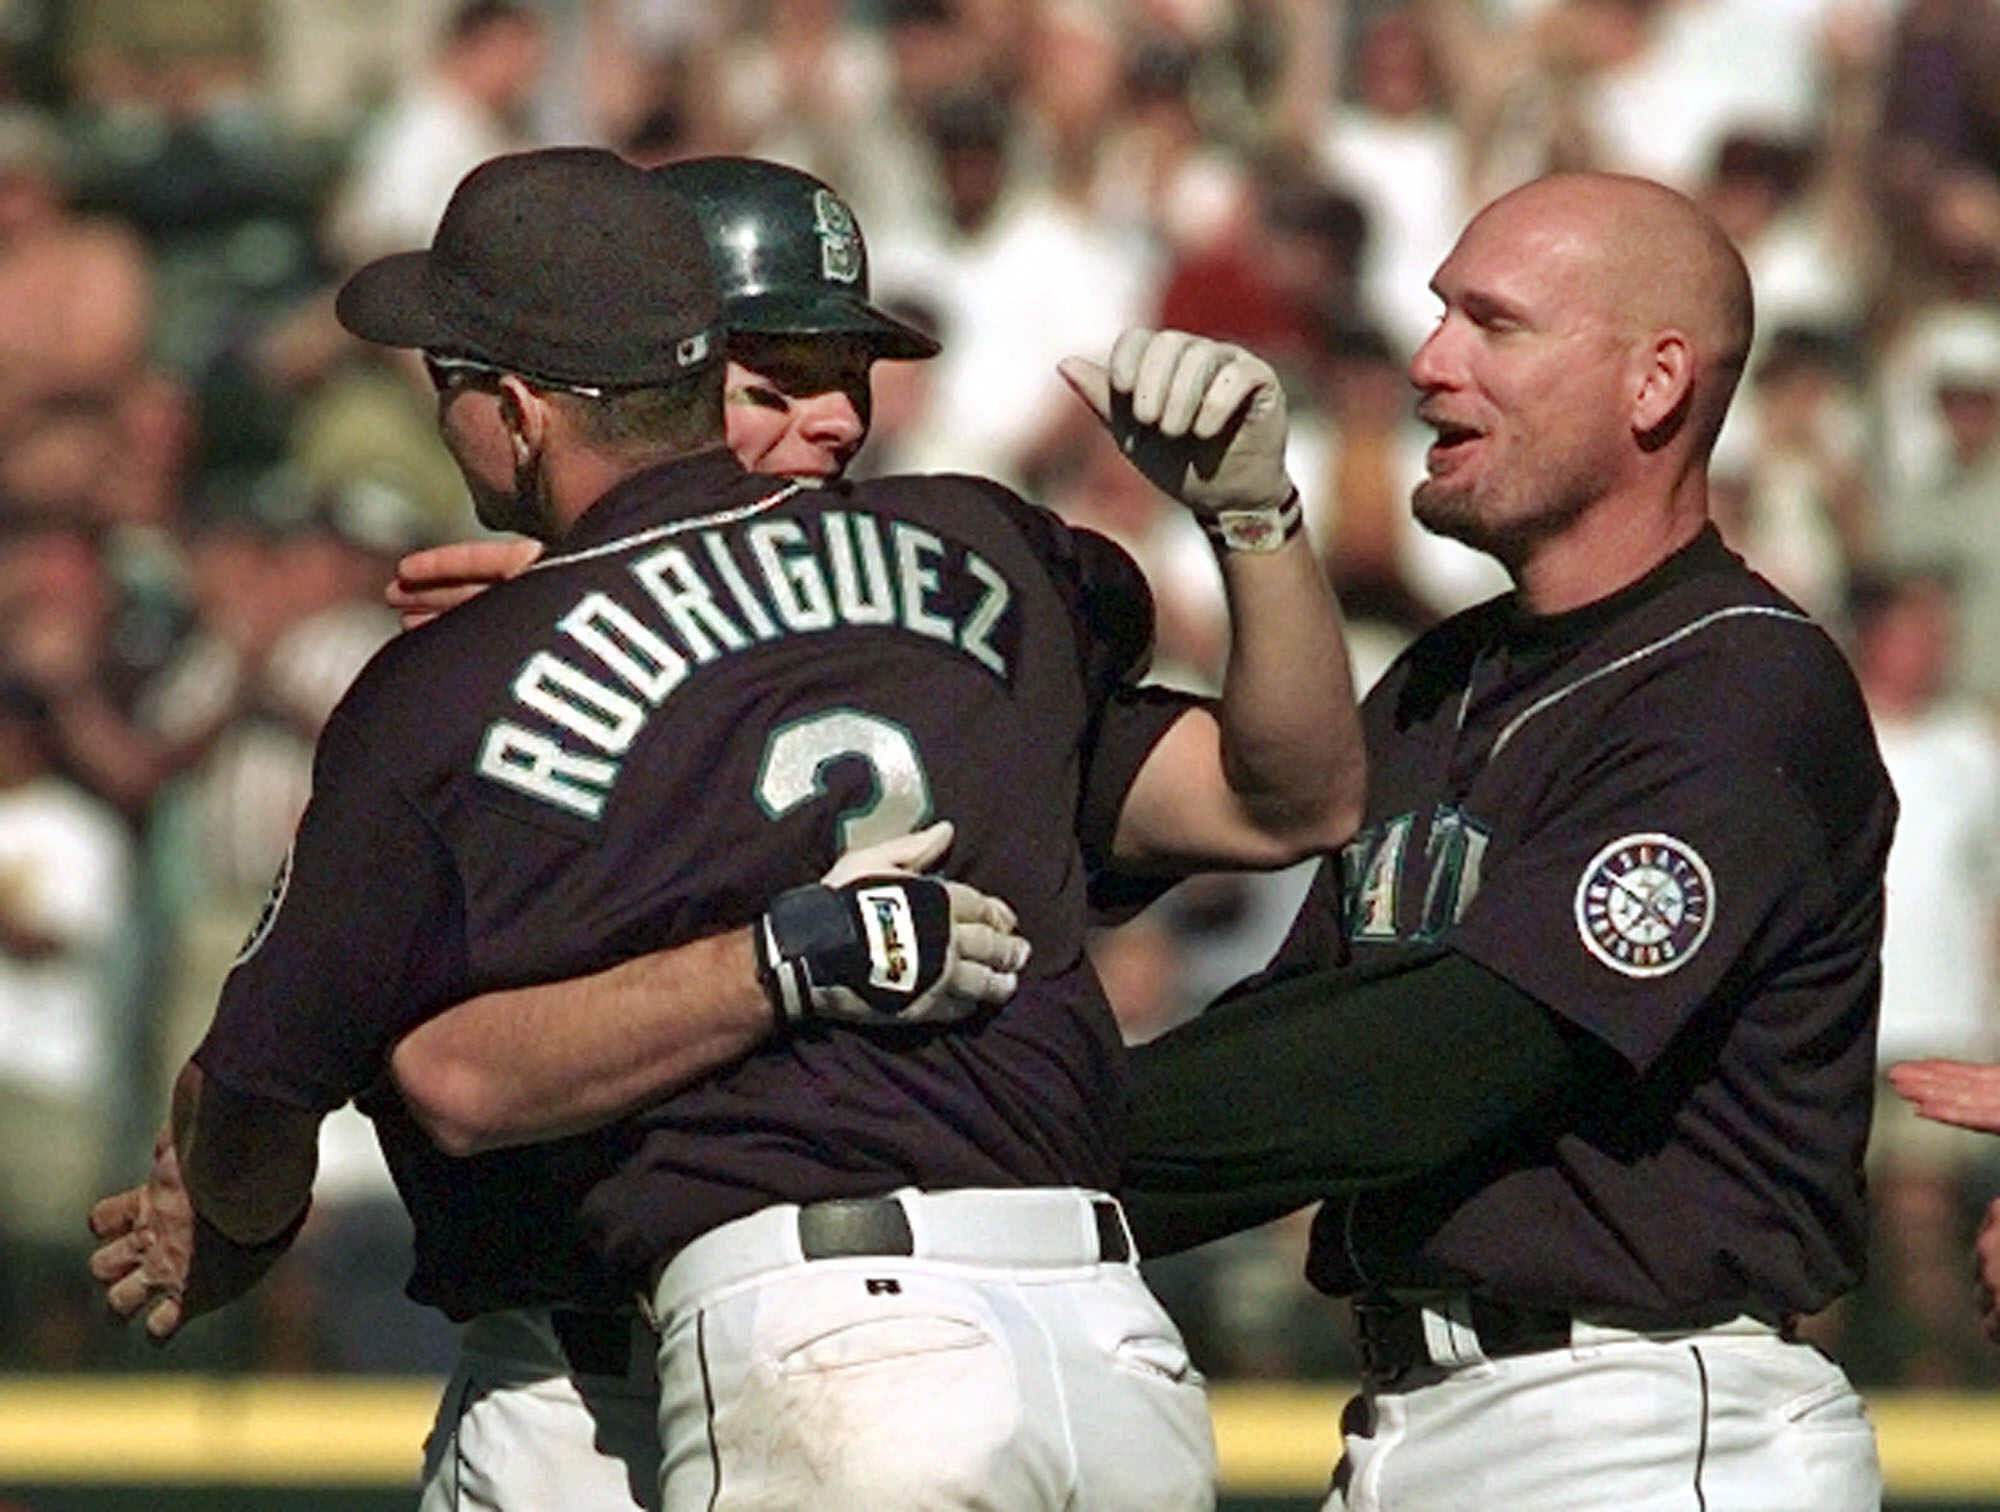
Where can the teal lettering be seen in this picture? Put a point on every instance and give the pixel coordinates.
(686, 599)
(724, 561)
(792, 574)
(917, 576)
(972, 639)
(617, 637)
(538, 766)
(862, 591)
(579, 702)
(1371, 863)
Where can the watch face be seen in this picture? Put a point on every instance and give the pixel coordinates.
(1644, 904)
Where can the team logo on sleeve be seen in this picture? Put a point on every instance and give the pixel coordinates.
(1645, 904)
(268, 915)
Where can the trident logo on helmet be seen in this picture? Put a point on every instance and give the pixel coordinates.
(839, 240)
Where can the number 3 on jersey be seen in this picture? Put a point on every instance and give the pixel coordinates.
(797, 756)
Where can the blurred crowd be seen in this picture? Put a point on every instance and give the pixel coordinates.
(204, 483)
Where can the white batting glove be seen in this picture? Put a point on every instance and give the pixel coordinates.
(1205, 422)
(917, 851)
(872, 945)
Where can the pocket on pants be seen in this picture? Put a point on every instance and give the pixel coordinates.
(837, 1317)
(1833, 1404)
(878, 1341)
(1158, 1356)
(831, 1395)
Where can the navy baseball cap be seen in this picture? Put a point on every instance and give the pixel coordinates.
(565, 263)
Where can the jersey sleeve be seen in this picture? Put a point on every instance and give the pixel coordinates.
(1111, 608)
(1114, 612)
(1129, 726)
(360, 939)
(1106, 593)
(1678, 865)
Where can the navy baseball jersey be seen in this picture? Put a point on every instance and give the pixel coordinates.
(715, 684)
(1664, 817)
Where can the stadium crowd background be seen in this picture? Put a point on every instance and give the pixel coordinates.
(203, 483)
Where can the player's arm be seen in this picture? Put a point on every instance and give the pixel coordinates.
(1276, 770)
(533, 1063)
(338, 965)
(1965, 1093)
(228, 1189)
(540, 1062)
(1285, 1094)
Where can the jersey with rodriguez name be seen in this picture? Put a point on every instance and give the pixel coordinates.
(713, 686)
(1664, 817)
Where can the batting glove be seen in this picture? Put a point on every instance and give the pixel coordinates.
(888, 949)
(1205, 421)
(917, 851)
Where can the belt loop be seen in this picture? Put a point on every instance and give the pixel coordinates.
(1450, 1337)
(1114, 1237)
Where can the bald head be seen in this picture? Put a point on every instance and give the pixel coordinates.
(1642, 259)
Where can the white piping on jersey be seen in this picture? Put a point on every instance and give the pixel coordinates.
(670, 529)
(1542, 704)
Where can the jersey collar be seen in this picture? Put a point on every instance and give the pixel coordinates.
(1534, 632)
(696, 484)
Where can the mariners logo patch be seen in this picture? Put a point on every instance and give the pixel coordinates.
(1645, 904)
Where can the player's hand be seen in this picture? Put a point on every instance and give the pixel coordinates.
(1964, 1093)
(1204, 420)
(145, 1253)
(438, 578)
(917, 851)
(888, 949)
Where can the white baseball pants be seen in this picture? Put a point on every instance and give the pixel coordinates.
(1011, 1360)
(1729, 1419)
(520, 1429)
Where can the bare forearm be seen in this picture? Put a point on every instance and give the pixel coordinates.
(540, 1062)
(1291, 734)
(1274, 772)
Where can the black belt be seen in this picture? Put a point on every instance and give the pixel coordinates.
(847, 1226)
(595, 1343)
(1394, 1351)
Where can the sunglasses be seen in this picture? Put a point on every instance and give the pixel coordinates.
(449, 372)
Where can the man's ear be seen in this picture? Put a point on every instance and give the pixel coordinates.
(1666, 383)
(526, 415)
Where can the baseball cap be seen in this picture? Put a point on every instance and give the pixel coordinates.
(564, 263)
(789, 254)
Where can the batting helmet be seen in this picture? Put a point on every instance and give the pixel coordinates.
(788, 254)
